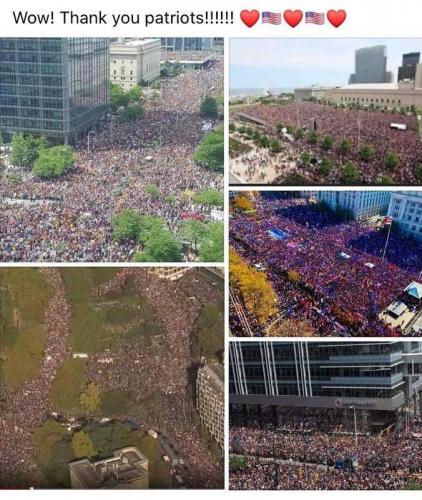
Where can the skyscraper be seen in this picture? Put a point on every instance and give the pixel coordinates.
(407, 71)
(371, 65)
(57, 87)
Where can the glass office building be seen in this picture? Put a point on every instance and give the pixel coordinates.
(57, 87)
(369, 376)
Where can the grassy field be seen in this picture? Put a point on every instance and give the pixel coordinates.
(99, 322)
(68, 385)
(24, 295)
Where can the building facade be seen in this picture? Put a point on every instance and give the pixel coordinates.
(56, 87)
(387, 95)
(135, 61)
(371, 65)
(169, 273)
(126, 469)
(382, 379)
(178, 44)
(406, 210)
(407, 71)
(362, 204)
(210, 400)
(313, 92)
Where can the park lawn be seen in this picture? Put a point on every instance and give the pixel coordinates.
(101, 275)
(86, 324)
(237, 148)
(67, 387)
(21, 322)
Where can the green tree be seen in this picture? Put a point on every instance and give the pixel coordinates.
(327, 142)
(386, 180)
(152, 191)
(305, 158)
(54, 162)
(26, 150)
(345, 147)
(160, 246)
(149, 225)
(313, 137)
(263, 141)
(212, 243)
(90, 397)
(349, 173)
(209, 107)
(299, 134)
(82, 445)
(127, 225)
(391, 160)
(209, 198)
(325, 166)
(134, 93)
(133, 111)
(118, 97)
(367, 153)
(275, 146)
(193, 231)
(210, 152)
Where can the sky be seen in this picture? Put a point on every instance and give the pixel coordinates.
(277, 62)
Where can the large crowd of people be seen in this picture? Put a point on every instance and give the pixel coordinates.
(316, 457)
(70, 219)
(359, 127)
(335, 294)
(152, 370)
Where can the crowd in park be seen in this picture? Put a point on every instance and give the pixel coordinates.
(313, 456)
(329, 144)
(159, 381)
(319, 270)
(156, 164)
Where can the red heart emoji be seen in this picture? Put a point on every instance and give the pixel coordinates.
(249, 17)
(336, 17)
(293, 17)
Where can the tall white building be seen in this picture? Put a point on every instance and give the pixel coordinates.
(134, 61)
(362, 204)
(406, 209)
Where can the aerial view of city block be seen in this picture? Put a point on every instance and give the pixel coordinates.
(111, 377)
(307, 115)
(111, 150)
(326, 263)
(325, 415)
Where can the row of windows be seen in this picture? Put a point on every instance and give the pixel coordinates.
(369, 99)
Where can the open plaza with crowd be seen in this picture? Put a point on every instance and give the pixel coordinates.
(324, 143)
(326, 271)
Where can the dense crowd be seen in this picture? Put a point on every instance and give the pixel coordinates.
(309, 458)
(341, 296)
(360, 127)
(70, 219)
(161, 369)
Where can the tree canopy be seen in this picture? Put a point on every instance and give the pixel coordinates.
(209, 107)
(210, 152)
(54, 162)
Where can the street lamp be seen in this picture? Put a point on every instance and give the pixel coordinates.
(89, 139)
(356, 426)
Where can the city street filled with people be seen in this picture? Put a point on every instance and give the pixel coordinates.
(319, 269)
(70, 219)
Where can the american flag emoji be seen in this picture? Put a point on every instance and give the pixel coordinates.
(314, 18)
(271, 17)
